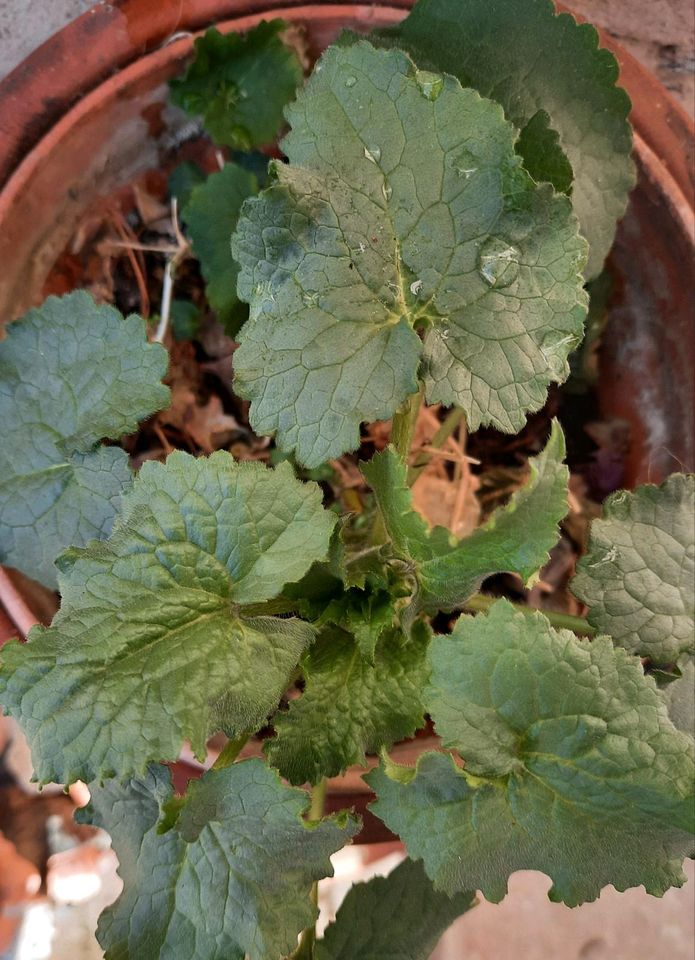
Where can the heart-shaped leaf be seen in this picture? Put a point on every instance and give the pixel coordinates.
(156, 641)
(404, 208)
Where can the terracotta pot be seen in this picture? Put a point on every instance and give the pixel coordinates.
(87, 112)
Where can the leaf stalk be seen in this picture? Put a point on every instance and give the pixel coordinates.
(481, 603)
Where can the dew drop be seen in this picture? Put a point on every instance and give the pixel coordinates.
(350, 81)
(464, 164)
(555, 348)
(264, 291)
(416, 287)
(310, 299)
(373, 154)
(430, 84)
(498, 262)
(387, 190)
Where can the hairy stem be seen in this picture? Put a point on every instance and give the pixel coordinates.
(231, 751)
(449, 425)
(307, 941)
(480, 603)
(403, 426)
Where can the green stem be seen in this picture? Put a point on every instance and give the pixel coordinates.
(318, 800)
(271, 607)
(307, 941)
(403, 425)
(231, 751)
(449, 424)
(480, 603)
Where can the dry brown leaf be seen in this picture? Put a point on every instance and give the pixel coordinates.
(149, 207)
(201, 423)
(434, 498)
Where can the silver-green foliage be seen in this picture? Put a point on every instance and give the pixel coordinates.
(72, 374)
(404, 208)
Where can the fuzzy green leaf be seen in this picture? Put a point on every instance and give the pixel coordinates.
(71, 374)
(638, 576)
(155, 642)
(240, 84)
(231, 878)
(211, 215)
(350, 706)
(520, 53)
(404, 206)
(516, 538)
(398, 917)
(368, 618)
(539, 147)
(680, 697)
(572, 766)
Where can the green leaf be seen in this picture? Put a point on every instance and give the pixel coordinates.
(240, 84)
(398, 917)
(350, 707)
(680, 698)
(71, 374)
(530, 60)
(225, 881)
(182, 180)
(155, 641)
(638, 576)
(404, 206)
(516, 538)
(211, 215)
(539, 147)
(185, 319)
(572, 766)
(367, 616)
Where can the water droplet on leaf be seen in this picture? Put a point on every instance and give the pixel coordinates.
(464, 164)
(386, 190)
(373, 154)
(416, 287)
(498, 262)
(430, 84)
(555, 348)
(350, 81)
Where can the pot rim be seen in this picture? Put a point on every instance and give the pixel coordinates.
(663, 141)
(110, 37)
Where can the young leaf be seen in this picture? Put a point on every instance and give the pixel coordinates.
(71, 374)
(572, 766)
(404, 206)
(154, 642)
(367, 615)
(398, 917)
(350, 707)
(520, 53)
(240, 84)
(516, 538)
(211, 215)
(638, 576)
(231, 878)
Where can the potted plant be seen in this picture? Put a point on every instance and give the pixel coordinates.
(426, 243)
